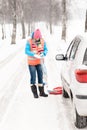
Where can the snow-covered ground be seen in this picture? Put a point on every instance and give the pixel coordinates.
(18, 109)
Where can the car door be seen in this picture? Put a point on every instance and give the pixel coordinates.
(68, 66)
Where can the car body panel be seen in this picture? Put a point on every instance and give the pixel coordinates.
(74, 60)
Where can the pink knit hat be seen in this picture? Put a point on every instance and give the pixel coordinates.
(37, 34)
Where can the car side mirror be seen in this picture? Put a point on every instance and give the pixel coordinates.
(59, 57)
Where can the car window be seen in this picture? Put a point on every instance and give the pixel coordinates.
(71, 51)
(74, 49)
(85, 57)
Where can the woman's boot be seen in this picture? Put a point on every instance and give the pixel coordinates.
(42, 93)
(34, 90)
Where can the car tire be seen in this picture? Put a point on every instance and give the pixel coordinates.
(65, 94)
(80, 121)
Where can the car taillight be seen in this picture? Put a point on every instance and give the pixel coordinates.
(81, 75)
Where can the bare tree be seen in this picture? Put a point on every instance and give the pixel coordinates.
(28, 12)
(86, 22)
(50, 15)
(12, 5)
(3, 31)
(64, 20)
(3, 10)
(20, 14)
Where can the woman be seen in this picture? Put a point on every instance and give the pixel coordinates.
(36, 49)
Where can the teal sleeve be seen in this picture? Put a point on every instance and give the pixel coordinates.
(45, 49)
(27, 50)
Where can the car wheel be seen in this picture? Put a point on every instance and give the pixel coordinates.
(65, 94)
(80, 121)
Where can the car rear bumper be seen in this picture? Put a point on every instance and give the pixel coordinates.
(81, 104)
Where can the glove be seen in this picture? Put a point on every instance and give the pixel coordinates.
(42, 55)
(37, 56)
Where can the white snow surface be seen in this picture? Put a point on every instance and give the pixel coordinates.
(18, 109)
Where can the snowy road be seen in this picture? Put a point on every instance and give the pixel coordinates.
(24, 112)
(20, 111)
(10, 69)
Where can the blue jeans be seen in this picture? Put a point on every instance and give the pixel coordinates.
(33, 70)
